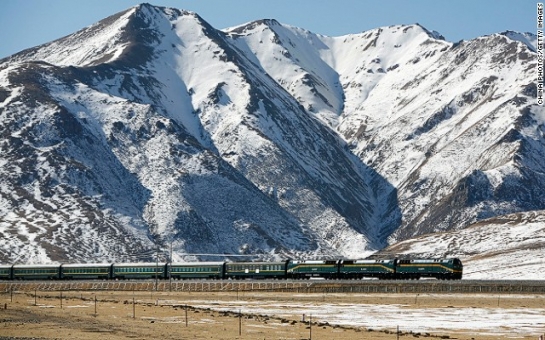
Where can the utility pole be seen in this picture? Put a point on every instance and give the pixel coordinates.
(170, 268)
(157, 268)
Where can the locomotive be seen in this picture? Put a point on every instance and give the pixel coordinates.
(391, 269)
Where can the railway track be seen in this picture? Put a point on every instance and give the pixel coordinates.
(299, 286)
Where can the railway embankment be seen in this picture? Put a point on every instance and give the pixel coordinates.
(318, 286)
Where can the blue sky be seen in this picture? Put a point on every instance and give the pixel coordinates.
(27, 23)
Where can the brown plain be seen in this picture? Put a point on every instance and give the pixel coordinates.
(154, 316)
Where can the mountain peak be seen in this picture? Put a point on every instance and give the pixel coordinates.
(253, 25)
(529, 39)
(432, 34)
(125, 37)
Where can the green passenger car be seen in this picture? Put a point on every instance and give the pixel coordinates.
(151, 270)
(5, 272)
(196, 270)
(86, 271)
(309, 269)
(443, 269)
(36, 272)
(358, 269)
(255, 270)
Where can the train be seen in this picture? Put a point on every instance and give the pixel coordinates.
(384, 269)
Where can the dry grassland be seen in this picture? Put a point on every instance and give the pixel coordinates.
(160, 315)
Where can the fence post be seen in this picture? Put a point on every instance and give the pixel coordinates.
(310, 326)
(239, 323)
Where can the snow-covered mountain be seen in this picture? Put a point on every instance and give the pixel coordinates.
(152, 128)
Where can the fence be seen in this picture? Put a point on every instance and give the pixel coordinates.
(371, 286)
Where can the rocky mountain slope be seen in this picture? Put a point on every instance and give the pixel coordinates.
(499, 248)
(151, 128)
